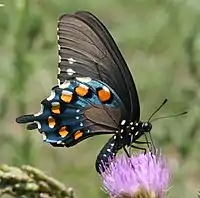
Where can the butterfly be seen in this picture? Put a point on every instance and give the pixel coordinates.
(95, 95)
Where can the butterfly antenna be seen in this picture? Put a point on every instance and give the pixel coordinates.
(157, 109)
(170, 116)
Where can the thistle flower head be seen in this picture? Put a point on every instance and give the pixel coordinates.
(141, 176)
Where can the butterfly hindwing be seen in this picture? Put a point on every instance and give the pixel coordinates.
(77, 109)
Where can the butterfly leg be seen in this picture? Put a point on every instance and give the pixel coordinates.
(127, 153)
(139, 142)
(150, 144)
(145, 150)
(107, 153)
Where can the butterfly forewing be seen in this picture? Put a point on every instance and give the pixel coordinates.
(87, 49)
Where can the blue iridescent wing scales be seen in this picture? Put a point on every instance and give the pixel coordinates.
(77, 109)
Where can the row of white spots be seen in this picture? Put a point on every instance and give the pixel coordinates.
(80, 79)
(44, 137)
(70, 71)
(122, 123)
(111, 146)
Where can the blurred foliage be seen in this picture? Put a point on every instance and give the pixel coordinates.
(29, 182)
(160, 41)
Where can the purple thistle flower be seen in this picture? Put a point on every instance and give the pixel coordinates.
(142, 176)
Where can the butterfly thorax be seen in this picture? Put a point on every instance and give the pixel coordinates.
(132, 131)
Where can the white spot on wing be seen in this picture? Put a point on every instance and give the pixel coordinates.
(77, 117)
(70, 72)
(59, 58)
(50, 126)
(123, 122)
(71, 60)
(84, 86)
(44, 137)
(38, 124)
(65, 92)
(59, 47)
(55, 104)
(59, 142)
(64, 85)
(51, 97)
(81, 124)
(41, 111)
(58, 82)
(106, 89)
(59, 70)
(83, 79)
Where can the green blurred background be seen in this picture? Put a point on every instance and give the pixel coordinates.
(160, 41)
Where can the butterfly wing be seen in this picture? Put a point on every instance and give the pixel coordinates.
(86, 48)
(75, 111)
(96, 90)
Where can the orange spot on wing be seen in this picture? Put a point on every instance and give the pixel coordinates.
(66, 97)
(51, 122)
(104, 94)
(56, 109)
(78, 134)
(63, 132)
(81, 90)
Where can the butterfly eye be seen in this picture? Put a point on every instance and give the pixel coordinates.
(147, 126)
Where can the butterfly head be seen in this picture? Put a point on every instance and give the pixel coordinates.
(146, 126)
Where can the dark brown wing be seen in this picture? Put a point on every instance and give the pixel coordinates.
(86, 49)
